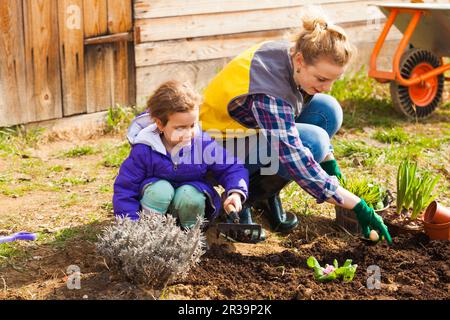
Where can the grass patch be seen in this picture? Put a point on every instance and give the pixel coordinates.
(5, 178)
(8, 250)
(70, 200)
(16, 140)
(107, 188)
(23, 188)
(428, 142)
(116, 155)
(365, 102)
(74, 181)
(357, 152)
(418, 147)
(88, 232)
(33, 167)
(57, 168)
(108, 207)
(62, 236)
(296, 199)
(79, 152)
(395, 135)
(119, 118)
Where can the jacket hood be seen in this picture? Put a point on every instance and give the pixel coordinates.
(144, 130)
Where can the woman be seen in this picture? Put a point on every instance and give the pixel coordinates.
(276, 88)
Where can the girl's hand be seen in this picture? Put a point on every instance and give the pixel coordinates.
(235, 200)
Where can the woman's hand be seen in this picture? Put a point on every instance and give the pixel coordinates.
(368, 220)
(235, 200)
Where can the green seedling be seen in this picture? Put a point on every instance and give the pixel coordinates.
(373, 193)
(414, 190)
(332, 272)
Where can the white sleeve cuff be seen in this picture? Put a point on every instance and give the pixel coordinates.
(243, 197)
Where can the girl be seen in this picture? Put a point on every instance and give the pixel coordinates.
(169, 159)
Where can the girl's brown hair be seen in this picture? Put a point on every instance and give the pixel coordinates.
(321, 39)
(172, 97)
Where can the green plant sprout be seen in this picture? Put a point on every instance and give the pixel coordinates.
(372, 192)
(332, 272)
(414, 190)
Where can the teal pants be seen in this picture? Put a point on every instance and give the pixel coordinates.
(185, 203)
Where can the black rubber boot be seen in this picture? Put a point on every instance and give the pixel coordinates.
(246, 218)
(264, 193)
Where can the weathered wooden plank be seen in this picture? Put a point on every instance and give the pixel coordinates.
(99, 77)
(198, 73)
(42, 58)
(201, 72)
(208, 48)
(131, 75)
(119, 16)
(121, 55)
(145, 9)
(197, 49)
(246, 21)
(13, 107)
(110, 76)
(71, 45)
(95, 17)
(117, 37)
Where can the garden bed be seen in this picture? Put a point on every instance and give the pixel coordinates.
(400, 224)
(413, 268)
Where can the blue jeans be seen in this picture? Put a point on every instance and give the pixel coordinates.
(318, 122)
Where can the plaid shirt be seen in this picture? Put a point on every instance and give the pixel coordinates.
(269, 113)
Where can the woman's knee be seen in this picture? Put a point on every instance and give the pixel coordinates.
(323, 111)
(188, 204)
(158, 196)
(315, 139)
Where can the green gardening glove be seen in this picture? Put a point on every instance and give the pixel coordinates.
(331, 168)
(368, 219)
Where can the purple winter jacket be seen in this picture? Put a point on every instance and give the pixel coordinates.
(149, 162)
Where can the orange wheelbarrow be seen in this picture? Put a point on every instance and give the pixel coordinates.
(417, 79)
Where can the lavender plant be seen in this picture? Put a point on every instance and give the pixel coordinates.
(153, 250)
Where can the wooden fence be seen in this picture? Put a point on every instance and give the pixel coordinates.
(64, 57)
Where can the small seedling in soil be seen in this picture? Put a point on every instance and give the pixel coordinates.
(153, 250)
(331, 272)
(373, 193)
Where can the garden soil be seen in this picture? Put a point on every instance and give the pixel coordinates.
(412, 268)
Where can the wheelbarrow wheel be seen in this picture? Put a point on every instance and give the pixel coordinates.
(420, 100)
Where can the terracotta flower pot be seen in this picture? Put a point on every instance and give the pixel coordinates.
(437, 213)
(437, 231)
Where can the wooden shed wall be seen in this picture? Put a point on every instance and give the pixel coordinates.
(194, 39)
(64, 57)
(51, 62)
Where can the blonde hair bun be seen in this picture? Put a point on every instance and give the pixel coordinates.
(320, 38)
